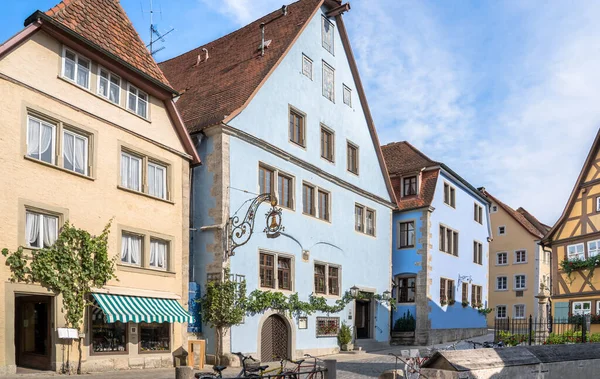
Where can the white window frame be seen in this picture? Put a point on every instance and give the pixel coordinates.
(328, 66)
(76, 70)
(505, 283)
(41, 216)
(165, 170)
(111, 75)
(502, 227)
(86, 140)
(494, 208)
(128, 262)
(598, 307)
(498, 260)
(515, 311)
(577, 255)
(140, 176)
(307, 59)
(347, 90)
(54, 137)
(598, 204)
(516, 261)
(593, 252)
(515, 282)
(505, 311)
(137, 98)
(332, 45)
(582, 311)
(168, 248)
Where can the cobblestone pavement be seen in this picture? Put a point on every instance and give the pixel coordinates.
(350, 366)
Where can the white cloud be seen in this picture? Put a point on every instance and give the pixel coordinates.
(243, 12)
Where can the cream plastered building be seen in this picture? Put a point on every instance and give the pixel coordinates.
(90, 134)
(518, 264)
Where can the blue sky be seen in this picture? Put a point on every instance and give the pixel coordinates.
(505, 93)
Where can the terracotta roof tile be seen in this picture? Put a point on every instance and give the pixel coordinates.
(105, 23)
(215, 88)
(519, 216)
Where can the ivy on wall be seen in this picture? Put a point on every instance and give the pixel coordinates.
(568, 266)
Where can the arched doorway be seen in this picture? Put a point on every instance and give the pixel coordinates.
(274, 339)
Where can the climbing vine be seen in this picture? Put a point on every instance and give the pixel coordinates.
(568, 266)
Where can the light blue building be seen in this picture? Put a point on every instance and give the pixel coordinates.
(288, 116)
(439, 248)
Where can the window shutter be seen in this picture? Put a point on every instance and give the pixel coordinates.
(562, 310)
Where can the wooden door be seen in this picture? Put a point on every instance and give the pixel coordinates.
(274, 339)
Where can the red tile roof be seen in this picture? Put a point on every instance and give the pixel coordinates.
(519, 216)
(402, 158)
(105, 23)
(216, 87)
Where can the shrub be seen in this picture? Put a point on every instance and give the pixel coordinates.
(510, 339)
(451, 302)
(465, 304)
(406, 323)
(345, 334)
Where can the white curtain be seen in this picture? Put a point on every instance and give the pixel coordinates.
(152, 190)
(114, 91)
(131, 249)
(33, 138)
(68, 150)
(46, 142)
(103, 84)
(134, 174)
(80, 155)
(50, 230)
(125, 249)
(32, 229)
(158, 254)
(156, 181)
(124, 169)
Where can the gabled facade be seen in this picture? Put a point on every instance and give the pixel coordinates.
(518, 264)
(293, 122)
(90, 134)
(574, 239)
(439, 247)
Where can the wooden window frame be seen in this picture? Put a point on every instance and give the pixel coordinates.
(276, 256)
(572, 307)
(317, 277)
(325, 94)
(330, 154)
(447, 290)
(579, 256)
(449, 195)
(478, 213)
(350, 146)
(307, 59)
(323, 214)
(347, 90)
(400, 295)
(404, 185)
(363, 219)
(476, 295)
(331, 25)
(477, 252)
(447, 246)
(136, 93)
(327, 289)
(465, 292)
(264, 268)
(275, 184)
(407, 232)
(301, 116)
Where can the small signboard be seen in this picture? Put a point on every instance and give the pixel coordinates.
(68, 333)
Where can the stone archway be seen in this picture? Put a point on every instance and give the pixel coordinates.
(274, 339)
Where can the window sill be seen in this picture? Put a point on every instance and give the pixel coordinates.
(325, 296)
(352, 172)
(407, 303)
(145, 270)
(364, 234)
(154, 352)
(317, 218)
(450, 206)
(104, 98)
(330, 161)
(144, 194)
(519, 289)
(303, 147)
(58, 168)
(107, 353)
(452, 255)
(269, 289)
(503, 264)
(520, 263)
(498, 290)
(405, 247)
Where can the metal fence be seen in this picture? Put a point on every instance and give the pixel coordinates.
(530, 331)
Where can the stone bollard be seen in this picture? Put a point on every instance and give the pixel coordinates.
(331, 366)
(184, 372)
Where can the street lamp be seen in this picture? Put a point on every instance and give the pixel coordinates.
(386, 295)
(354, 291)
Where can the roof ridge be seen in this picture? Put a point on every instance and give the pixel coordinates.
(523, 221)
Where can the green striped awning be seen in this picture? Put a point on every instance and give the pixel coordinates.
(141, 309)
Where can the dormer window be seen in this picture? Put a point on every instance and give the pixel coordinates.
(410, 186)
(137, 102)
(327, 35)
(76, 68)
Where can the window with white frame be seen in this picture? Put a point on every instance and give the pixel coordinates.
(307, 67)
(448, 240)
(501, 258)
(76, 68)
(109, 85)
(41, 230)
(519, 311)
(131, 171)
(501, 283)
(521, 256)
(159, 251)
(520, 282)
(131, 249)
(157, 180)
(347, 95)
(598, 204)
(327, 35)
(593, 248)
(494, 209)
(364, 219)
(501, 230)
(137, 102)
(501, 311)
(328, 82)
(75, 152)
(597, 307)
(581, 308)
(41, 139)
(575, 252)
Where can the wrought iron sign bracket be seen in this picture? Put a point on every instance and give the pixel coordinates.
(240, 231)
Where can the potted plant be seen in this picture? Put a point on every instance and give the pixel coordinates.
(451, 302)
(443, 302)
(465, 304)
(345, 337)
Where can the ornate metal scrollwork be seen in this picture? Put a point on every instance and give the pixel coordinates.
(241, 230)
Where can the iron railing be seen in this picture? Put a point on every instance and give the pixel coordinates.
(530, 331)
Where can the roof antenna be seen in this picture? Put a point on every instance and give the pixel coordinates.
(155, 35)
(263, 45)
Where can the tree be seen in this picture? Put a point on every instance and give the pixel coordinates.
(223, 305)
(71, 267)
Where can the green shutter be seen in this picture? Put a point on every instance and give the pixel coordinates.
(561, 310)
